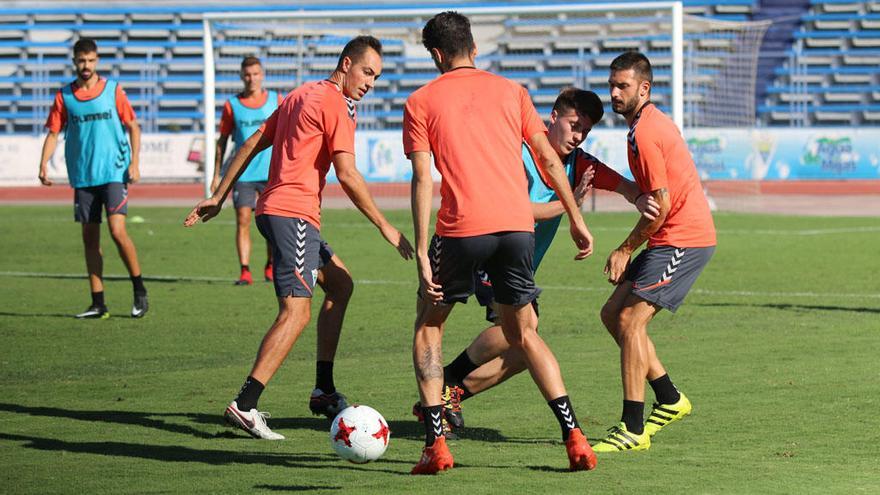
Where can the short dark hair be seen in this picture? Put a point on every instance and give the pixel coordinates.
(357, 47)
(583, 102)
(85, 45)
(635, 61)
(249, 61)
(449, 32)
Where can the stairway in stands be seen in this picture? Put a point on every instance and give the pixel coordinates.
(786, 16)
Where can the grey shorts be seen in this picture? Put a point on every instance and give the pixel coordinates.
(244, 194)
(486, 296)
(87, 201)
(506, 258)
(663, 275)
(298, 252)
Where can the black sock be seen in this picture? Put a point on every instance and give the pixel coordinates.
(324, 376)
(268, 263)
(433, 423)
(249, 394)
(454, 372)
(138, 284)
(634, 416)
(245, 268)
(564, 414)
(98, 299)
(664, 390)
(465, 393)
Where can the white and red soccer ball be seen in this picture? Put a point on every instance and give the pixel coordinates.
(359, 434)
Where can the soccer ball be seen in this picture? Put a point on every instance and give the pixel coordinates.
(359, 434)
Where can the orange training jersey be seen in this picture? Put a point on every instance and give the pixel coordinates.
(659, 158)
(58, 114)
(474, 123)
(313, 122)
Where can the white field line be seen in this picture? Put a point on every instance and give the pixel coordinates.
(569, 288)
(864, 229)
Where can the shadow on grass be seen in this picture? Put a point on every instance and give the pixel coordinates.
(32, 315)
(176, 453)
(410, 430)
(145, 419)
(795, 307)
(295, 488)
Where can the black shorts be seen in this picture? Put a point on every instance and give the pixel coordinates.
(506, 257)
(663, 275)
(486, 296)
(87, 201)
(298, 252)
(244, 194)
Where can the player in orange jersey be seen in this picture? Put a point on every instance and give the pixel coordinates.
(474, 124)
(681, 240)
(313, 127)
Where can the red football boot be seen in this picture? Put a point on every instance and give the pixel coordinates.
(245, 278)
(435, 458)
(580, 455)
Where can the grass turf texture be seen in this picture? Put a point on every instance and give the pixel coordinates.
(776, 347)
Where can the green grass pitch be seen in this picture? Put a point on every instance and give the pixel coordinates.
(776, 346)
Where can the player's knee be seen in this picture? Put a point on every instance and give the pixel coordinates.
(91, 240)
(118, 233)
(609, 316)
(521, 337)
(292, 313)
(342, 289)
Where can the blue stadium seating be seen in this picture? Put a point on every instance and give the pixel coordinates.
(833, 67)
(155, 51)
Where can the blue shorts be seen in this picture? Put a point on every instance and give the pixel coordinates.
(663, 275)
(87, 201)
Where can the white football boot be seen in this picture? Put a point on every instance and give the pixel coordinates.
(253, 422)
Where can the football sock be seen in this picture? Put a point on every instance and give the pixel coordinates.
(664, 390)
(454, 372)
(465, 393)
(564, 414)
(137, 284)
(245, 268)
(324, 376)
(433, 423)
(633, 416)
(249, 394)
(98, 299)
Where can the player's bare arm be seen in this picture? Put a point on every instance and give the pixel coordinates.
(49, 145)
(134, 132)
(553, 209)
(422, 191)
(210, 207)
(355, 188)
(222, 141)
(618, 260)
(549, 162)
(644, 202)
